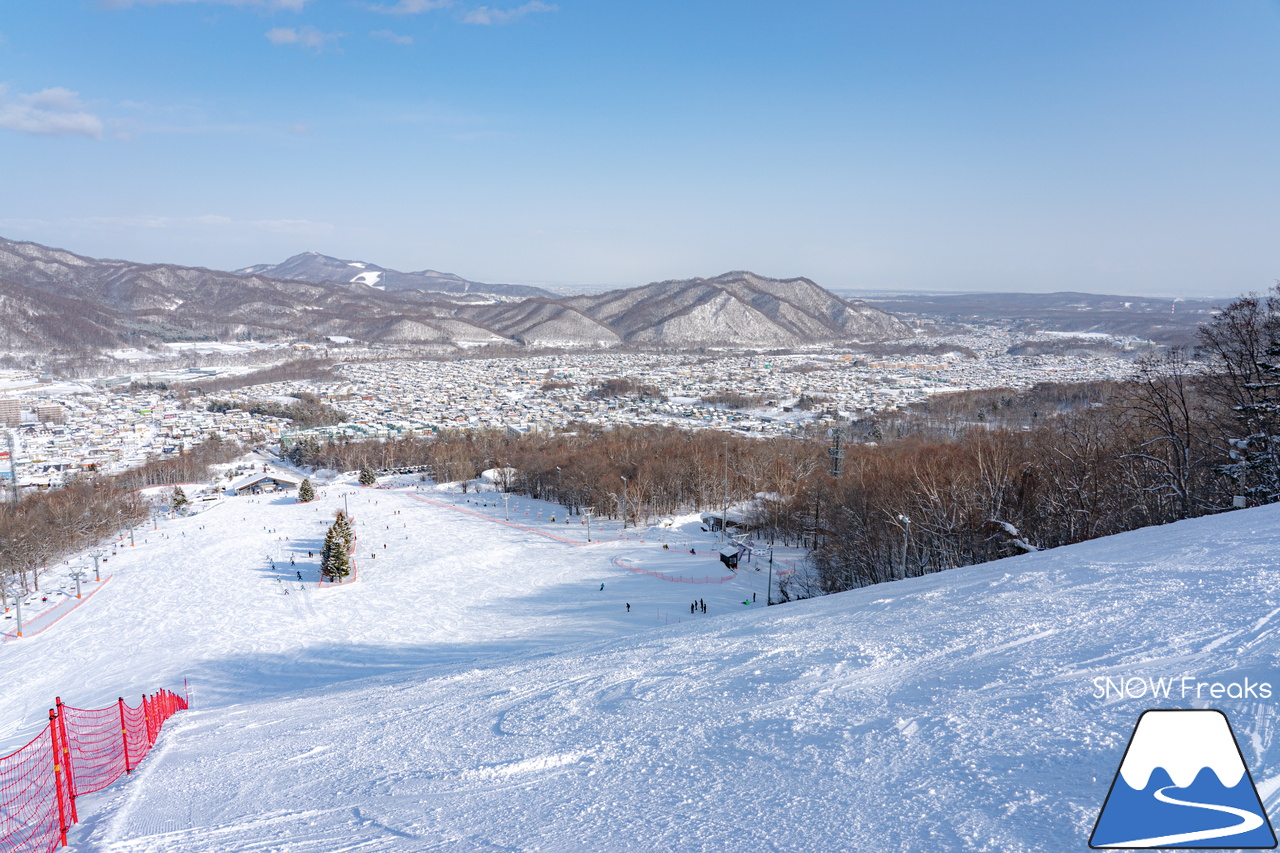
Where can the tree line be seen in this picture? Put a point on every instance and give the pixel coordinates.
(48, 526)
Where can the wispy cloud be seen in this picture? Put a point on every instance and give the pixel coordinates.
(412, 7)
(387, 35)
(53, 112)
(485, 16)
(287, 5)
(308, 37)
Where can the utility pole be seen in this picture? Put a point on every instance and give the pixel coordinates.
(836, 452)
(906, 535)
(724, 519)
(16, 594)
(768, 596)
(624, 503)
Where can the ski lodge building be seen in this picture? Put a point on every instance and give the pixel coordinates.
(261, 483)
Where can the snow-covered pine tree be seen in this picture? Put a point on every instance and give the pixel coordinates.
(306, 492)
(367, 477)
(1243, 342)
(335, 561)
(343, 523)
(179, 500)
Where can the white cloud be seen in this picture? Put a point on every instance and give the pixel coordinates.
(413, 7)
(387, 35)
(287, 5)
(485, 16)
(55, 112)
(308, 37)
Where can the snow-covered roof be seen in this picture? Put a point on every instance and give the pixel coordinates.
(254, 479)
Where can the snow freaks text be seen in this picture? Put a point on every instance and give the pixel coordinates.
(1178, 687)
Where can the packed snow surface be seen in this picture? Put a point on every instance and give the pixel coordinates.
(475, 689)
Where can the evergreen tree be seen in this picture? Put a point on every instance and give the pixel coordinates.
(366, 476)
(179, 500)
(306, 492)
(343, 522)
(335, 556)
(1243, 341)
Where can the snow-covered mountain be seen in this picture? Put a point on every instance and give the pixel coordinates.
(55, 300)
(734, 309)
(52, 299)
(317, 268)
(477, 689)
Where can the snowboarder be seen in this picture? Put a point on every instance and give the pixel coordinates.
(628, 606)
(299, 575)
(602, 586)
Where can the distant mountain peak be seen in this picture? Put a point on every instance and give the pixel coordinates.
(318, 268)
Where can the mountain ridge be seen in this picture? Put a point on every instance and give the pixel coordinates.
(319, 268)
(53, 300)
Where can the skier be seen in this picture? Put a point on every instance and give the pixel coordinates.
(602, 586)
(628, 606)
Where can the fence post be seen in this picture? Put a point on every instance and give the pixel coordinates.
(57, 775)
(124, 735)
(66, 759)
(147, 718)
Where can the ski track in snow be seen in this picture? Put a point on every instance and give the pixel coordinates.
(475, 690)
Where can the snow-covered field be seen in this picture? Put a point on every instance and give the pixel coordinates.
(475, 689)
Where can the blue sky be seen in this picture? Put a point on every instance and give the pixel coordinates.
(1118, 146)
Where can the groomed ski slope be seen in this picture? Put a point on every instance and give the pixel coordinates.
(475, 690)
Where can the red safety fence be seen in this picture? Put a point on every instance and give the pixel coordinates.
(80, 751)
(499, 520)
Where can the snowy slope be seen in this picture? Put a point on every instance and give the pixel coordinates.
(476, 690)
